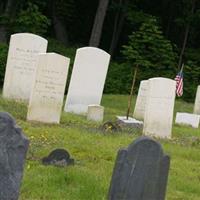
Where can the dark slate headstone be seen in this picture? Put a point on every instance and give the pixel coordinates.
(140, 172)
(13, 148)
(58, 157)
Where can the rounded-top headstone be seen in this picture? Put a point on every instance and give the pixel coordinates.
(21, 65)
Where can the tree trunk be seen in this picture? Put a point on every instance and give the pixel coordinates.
(98, 23)
(118, 25)
(185, 38)
(59, 27)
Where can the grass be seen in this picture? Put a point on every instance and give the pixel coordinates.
(95, 153)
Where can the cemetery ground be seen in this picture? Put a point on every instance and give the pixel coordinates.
(95, 152)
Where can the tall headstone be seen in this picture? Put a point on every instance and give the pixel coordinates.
(87, 81)
(47, 95)
(197, 102)
(20, 67)
(140, 172)
(141, 101)
(13, 148)
(159, 107)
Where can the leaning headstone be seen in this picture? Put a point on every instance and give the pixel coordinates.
(95, 113)
(21, 68)
(197, 102)
(47, 95)
(141, 101)
(13, 148)
(140, 172)
(187, 119)
(159, 108)
(87, 81)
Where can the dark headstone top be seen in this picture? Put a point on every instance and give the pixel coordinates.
(140, 172)
(58, 157)
(13, 148)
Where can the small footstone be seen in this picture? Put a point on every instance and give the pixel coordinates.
(58, 157)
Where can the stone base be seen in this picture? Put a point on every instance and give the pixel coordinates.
(130, 122)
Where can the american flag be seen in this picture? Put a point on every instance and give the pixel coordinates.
(179, 83)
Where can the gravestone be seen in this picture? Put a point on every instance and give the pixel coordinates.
(20, 67)
(197, 102)
(95, 113)
(187, 119)
(141, 100)
(140, 172)
(159, 107)
(87, 80)
(47, 95)
(13, 148)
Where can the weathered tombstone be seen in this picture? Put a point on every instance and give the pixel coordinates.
(197, 102)
(141, 100)
(187, 119)
(13, 148)
(140, 172)
(47, 95)
(159, 108)
(95, 113)
(87, 81)
(21, 68)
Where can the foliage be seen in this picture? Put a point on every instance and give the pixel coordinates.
(148, 48)
(31, 20)
(3, 56)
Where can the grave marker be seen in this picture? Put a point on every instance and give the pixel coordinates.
(87, 81)
(197, 102)
(13, 148)
(159, 108)
(20, 67)
(48, 89)
(140, 172)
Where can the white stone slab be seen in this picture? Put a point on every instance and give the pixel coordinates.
(130, 122)
(95, 113)
(141, 100)
(187, 119)
(159, 107)
(88, 78)
(20, 67)
(47, 95)
(197, 102)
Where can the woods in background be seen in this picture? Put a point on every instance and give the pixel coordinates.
(109, 24)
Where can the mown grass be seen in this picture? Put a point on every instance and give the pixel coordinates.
(95, 153)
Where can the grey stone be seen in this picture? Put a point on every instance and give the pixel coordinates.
(140, 172)
(13, 148)
(58, 157)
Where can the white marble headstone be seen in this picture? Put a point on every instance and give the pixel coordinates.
(159, 107)
(87, 80)
(141, 100)
(187, 119)
(197, 102)
(47, 95)
(20, 67)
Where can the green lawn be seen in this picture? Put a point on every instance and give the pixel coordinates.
(95, 153)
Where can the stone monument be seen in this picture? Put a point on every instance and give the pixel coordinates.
(20, 67)
(87, 80)
(47, 95)
(13, 148)
(140, 172)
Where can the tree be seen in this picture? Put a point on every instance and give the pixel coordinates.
(98, 23)
(148, 49)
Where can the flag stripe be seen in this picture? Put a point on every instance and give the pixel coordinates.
(179, 84)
